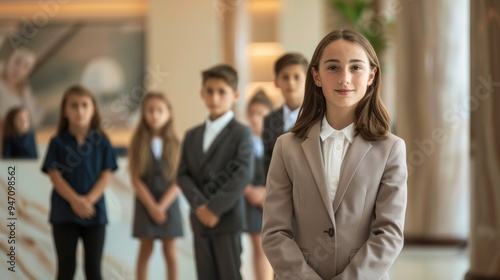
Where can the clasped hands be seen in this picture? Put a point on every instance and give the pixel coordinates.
(83, 207)
(206, 216)
(157, 212)
(255, 195)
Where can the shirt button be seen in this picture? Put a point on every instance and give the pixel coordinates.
(338, 147)
(335, 183)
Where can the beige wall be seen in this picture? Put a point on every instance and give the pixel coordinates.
(301, 25)
(183, 37)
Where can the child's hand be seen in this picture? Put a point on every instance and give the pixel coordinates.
(157, 214)
(260, 194)
(255, 196)
(248, 189)
(250, 195)
(82, 207)
(206, 217)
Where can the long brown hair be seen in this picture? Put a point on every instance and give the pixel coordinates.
(139, 152)
(371, 118)
(95, 122)
(9, 129)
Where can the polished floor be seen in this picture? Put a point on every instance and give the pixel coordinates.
(430, 263)
(414, 263)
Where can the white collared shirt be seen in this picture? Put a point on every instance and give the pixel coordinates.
(334, 145)
(289, 117)
(258, 146)
(213, 128)
(156, 146)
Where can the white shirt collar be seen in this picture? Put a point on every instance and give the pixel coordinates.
(288, 112)
(327, 130)
(213, 128)
(157, 146)
(217, 125)
(289, 117)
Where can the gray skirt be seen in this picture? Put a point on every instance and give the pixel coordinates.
(144, 226)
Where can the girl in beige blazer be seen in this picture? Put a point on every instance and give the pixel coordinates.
(344, 221)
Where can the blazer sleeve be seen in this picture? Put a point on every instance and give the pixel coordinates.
(267, 139)
(277, 231)
(185, 182)
(241, 169)
(379, 252)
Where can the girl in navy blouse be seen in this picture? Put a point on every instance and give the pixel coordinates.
(79, 161)
(19, 137)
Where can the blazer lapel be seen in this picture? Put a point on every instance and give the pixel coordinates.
(198, 144)
(280, 120)
(312, 150)
(357, 151)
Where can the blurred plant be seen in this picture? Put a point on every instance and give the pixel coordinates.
(362, 17)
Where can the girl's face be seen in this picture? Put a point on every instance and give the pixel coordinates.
(344, 74)
(79, 111)
(156, 114)
(22, 122)
(256, 114)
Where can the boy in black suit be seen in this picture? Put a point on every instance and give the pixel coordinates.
(290, 77)
(216, 165)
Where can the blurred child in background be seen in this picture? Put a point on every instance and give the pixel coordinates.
(153, 167)
(258, 108)
(216, 165)
(290, 77)
(80, 161)
(18, 135)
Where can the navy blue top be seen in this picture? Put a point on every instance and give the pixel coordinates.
(80, 166)
(20, 146)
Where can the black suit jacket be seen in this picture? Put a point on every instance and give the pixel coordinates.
(217, 178)
(273, 128)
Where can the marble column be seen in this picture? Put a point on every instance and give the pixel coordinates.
(233, 20)
(432, 100)
(485, 138)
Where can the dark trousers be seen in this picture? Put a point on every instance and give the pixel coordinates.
(218, 256)
(66, 239)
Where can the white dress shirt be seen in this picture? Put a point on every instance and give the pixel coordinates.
(258, 146)
(334, 144)
(157, 146)
(289, 117)
(213, 128)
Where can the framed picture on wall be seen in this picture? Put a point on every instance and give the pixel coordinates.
(106, 56)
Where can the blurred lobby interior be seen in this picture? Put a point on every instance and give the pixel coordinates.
(441, 84)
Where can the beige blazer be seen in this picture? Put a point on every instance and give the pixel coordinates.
(359, 235)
